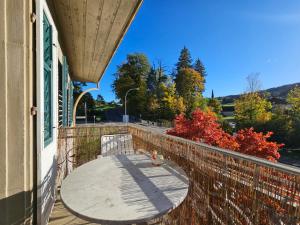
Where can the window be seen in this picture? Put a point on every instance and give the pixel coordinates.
(67, 96)
(60, 94)
(47, 31)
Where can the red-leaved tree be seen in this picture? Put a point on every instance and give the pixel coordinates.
(203, 127)
(256, 144)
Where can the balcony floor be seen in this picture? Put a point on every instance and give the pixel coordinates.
(61, 216)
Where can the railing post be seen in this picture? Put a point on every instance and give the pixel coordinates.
(255, 201)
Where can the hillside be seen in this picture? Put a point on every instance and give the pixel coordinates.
(277, 94)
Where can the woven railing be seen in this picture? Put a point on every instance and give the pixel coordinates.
(225, 187)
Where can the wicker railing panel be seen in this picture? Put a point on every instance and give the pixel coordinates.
(86, 144)
(227, 188)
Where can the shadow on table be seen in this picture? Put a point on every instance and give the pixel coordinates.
(156, 189)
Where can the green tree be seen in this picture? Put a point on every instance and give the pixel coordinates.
(78, 86)
(190, 85)
(185, 60)
(90, 104)
(199, 67)
(86, 99)
(170, 103)
(100, 100)
(155, 77)
(293, 100)
(121, 85)
(252, 109)
(214, 104)
(153, 106)
(132, 74)
(279, 124)
(285, 121)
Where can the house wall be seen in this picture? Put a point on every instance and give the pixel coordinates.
(46, 154)
(16, 122)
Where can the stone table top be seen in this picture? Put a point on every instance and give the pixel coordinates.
(124, 189)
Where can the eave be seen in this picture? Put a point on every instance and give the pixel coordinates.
(91, 31)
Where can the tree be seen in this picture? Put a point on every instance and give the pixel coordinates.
(189, 85)
(203, 127)
(256, 144)
(185, 60)
(155, 77)
(133, 74)
(100, 100)
(293, 100)
(90, 104)
(153, 106)
(170, 103)
(156, 83)
(152, 79)
(199, 67)
(164, 103)
(137, 67)
(253, 83)
(285, 121)
(86, 98)
(121, 85)
(214, 104)
(252, 109)
(280, 124)
(78, 86)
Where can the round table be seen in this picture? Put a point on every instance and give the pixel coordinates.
(124, 189)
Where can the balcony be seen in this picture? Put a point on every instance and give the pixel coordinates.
(225, 187)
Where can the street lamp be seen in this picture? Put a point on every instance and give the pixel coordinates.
(125, 116)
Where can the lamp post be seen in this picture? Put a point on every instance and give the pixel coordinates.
(125, 116)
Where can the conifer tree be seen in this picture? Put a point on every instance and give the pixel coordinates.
(199, 67)
(214, 104)
(185, 60)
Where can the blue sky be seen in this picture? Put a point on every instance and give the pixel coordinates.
(233, 38)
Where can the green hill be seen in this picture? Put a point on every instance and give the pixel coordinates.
(277, 94)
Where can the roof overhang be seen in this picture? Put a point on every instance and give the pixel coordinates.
(91, 31)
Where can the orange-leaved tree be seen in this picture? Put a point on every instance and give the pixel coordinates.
(256, 144)
(203, 127)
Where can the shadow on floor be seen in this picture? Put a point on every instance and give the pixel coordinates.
(61, 216)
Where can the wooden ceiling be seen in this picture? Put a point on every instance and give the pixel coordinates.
(90, 31)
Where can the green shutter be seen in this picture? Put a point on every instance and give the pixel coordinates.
(48, 121)
(65, 92)
(71, 104)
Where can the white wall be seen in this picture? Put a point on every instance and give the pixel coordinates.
(46, 154)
